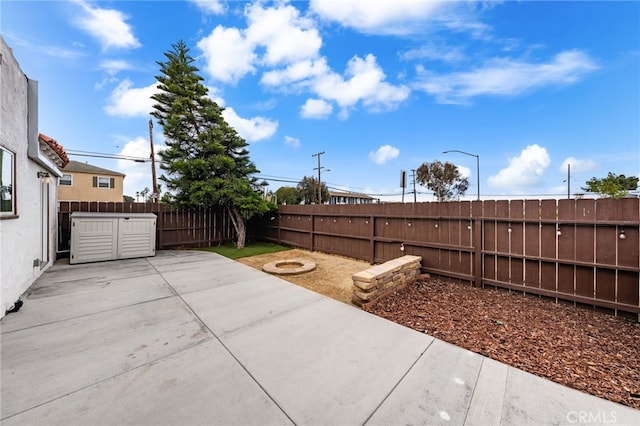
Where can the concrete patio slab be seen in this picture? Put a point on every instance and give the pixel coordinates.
(190, 337)
(40, 364)
(202, 385)
(531, 400)
(204, 275)
(178, 260)
(437, 390)
(65, 275)
(234, 307)
(488, 396)
(59, 301)
(328, 363)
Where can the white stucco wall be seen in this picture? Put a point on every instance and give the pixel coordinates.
(20, 238)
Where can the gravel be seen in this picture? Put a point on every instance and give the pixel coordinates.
(578, 347)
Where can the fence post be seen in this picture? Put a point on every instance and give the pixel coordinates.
(312, 236)
(279, 236)
(372, 242)
(478, 224)
(160, 227)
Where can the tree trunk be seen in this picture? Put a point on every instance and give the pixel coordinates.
(240, 226)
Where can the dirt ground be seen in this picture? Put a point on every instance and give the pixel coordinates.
(577, 347)
(332, 276)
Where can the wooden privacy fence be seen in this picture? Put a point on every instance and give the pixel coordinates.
(183, 227)
(584, 251)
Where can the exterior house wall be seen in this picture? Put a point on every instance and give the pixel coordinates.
(349, 198)
(23, 258)
(82, 189)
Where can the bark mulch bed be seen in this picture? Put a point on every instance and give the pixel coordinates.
(585, 349)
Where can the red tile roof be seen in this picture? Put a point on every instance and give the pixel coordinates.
(56, 147)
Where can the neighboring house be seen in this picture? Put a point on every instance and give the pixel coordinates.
(84, 182)
(349, 198)
(29, 169)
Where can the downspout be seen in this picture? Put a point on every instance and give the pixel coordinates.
(33, 142)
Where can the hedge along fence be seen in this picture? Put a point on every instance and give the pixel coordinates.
(583, 251)
(176, 227)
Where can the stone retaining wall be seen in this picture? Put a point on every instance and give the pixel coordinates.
(380, 280)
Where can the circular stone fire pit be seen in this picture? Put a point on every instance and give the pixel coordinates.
(289, 267)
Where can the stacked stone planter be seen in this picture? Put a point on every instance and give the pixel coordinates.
(380, 280)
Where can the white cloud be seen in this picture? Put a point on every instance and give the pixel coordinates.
(292, 142)
(114, 66)
(377, 17)
(138, 175)
(506, 77)
(316, 108)
(464, 171)
(443, 53)
(298, 73)
(128, 101)
(286, 36)
(476, 29)
(524, 170)
(251, 129)
(287, 46)
(364, 82)
(213, 7)
(41, 48)
(111, 68)
(384, 154)
(214, 95)
(228, 54)
(109, 26)
(578, 166)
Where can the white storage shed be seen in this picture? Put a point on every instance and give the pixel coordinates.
(109, 236)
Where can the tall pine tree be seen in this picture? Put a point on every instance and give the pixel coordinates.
(206, 161)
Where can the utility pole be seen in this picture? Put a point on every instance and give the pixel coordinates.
(413, 176)
(153, 164)
(319, 168)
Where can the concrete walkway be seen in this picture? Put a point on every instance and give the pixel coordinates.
(192, 338)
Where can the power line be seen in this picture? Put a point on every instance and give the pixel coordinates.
(103, 155)
(336, 186)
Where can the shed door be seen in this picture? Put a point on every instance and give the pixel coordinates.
(94, 239)
(136, 237)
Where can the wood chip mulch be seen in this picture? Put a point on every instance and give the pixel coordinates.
(578, 347)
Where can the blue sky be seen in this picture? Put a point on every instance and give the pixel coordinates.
(378, 86)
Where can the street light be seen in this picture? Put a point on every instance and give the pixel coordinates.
(477, 164)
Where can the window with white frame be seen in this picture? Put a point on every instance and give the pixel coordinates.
(7, 183)
(103, 182)
(66, 180)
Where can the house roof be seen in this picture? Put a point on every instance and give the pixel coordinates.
(53, 150)
(79, 167)
(349, 194)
